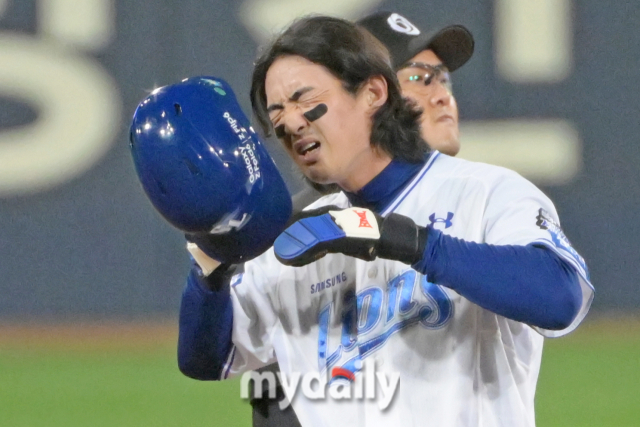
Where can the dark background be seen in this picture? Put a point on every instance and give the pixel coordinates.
(92, 245)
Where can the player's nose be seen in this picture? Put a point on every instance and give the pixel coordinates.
(441, 96)
(295, 122)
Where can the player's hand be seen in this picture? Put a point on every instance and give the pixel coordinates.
(355, 232)
(205, 262)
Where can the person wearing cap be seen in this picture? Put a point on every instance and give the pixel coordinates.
(423, 61)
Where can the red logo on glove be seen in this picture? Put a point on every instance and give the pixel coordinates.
(364, 222)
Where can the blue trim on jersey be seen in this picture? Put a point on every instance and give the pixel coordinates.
(569, 257)
(205, 326)
(387, 185)
(229, 363)
(394, 204)
(529, 284)
(547, 295)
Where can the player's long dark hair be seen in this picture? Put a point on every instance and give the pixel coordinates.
(353, 56)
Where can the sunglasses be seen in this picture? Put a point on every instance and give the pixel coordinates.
(421, 73)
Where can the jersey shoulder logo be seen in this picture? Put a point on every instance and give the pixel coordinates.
(544, 220)
(447, 222)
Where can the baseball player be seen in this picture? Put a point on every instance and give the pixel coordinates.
(424, 77)
(442, 273)
(423, 61)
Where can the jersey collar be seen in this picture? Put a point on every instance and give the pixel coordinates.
(384, 188)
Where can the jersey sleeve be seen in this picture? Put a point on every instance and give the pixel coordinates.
(253, 316)
(518, 213)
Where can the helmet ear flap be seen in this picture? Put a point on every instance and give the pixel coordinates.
(206, 171)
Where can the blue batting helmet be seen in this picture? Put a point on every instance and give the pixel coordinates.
(206, 171)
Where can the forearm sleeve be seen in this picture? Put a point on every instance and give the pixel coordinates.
(205, 326)
(529, 284)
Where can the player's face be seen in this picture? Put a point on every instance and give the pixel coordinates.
(440, 111)
(334, 147)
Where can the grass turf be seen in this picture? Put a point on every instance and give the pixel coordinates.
(591, 378)
(124, 375)
(107, 375)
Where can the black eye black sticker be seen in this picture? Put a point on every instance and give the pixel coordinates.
(316, 112)
(312, 115)
(279, 131)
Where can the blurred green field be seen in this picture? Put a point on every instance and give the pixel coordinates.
(591, 378)
(126, 375)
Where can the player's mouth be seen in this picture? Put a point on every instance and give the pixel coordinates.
(445, 118)
(306, 148)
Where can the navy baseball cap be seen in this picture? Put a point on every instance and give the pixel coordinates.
(404, 40)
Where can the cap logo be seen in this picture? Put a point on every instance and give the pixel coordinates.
(402, 25)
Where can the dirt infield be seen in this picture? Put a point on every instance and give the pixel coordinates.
(91, 334)
(164, 332)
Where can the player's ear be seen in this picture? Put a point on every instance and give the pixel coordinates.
(375, 92)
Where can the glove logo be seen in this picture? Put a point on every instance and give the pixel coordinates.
(446, 221)
(364, 222)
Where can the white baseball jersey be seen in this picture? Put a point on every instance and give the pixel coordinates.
(458, 364)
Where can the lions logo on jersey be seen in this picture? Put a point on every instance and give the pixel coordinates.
(370, 317)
